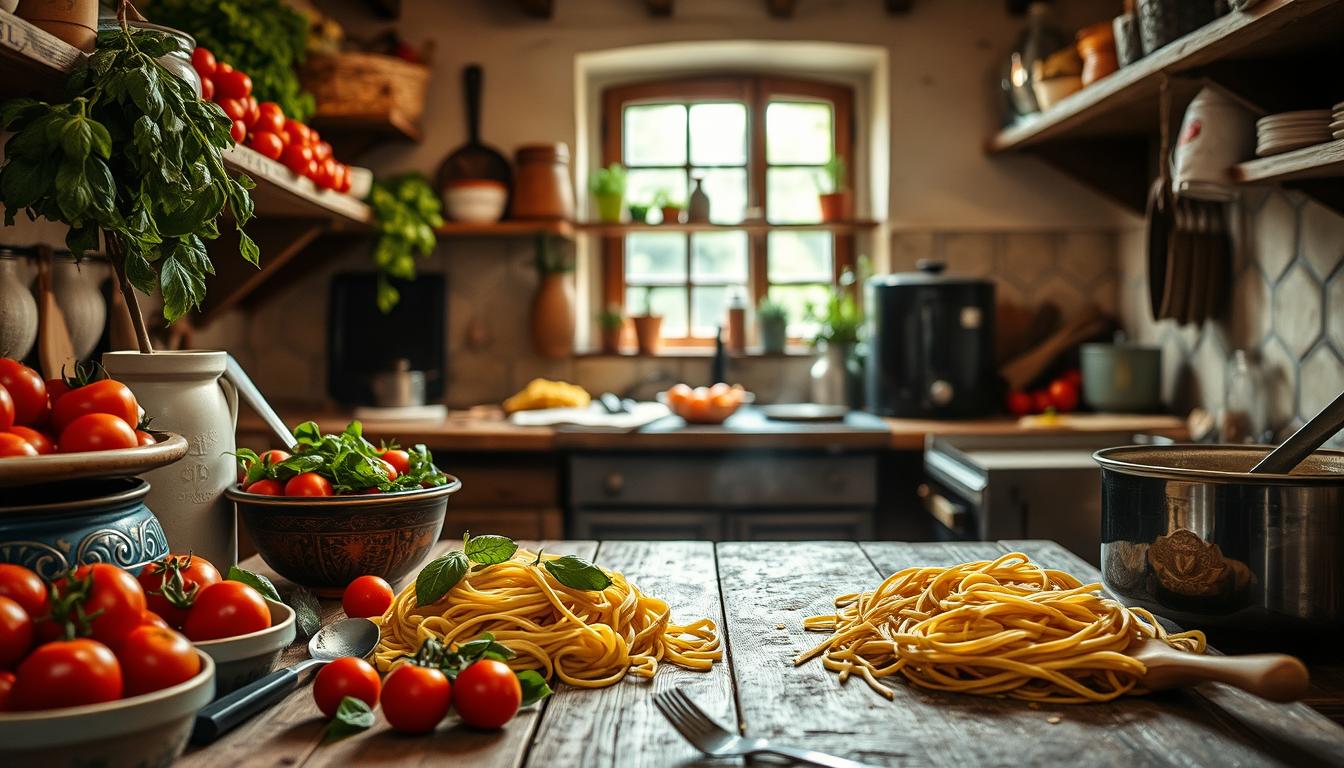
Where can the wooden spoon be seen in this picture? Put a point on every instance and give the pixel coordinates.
(55, 351)
(1271, 676)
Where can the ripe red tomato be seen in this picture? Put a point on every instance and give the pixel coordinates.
(115, 600)
(152, 619)
(26, 388)
(66, 673)
(308, 484)
(367, 596)
(1040, 401)
(16, 632)
(311, 170)
(223, 67)
(207, 88)
(274, 456)
(266, 487)
(234, 108)
(297, 132)
(172, 584)
(40, 442)
(1073, 376)
(267, 143)
(144, 438)
(238, 131)
(1063, 395)
(297, 156)
(104, 396)
(204, 62)
(232, 84)
(153, 658)
(96, 432)
(1019, 403)
(6, 409)
(486, 694)
(399, 459)
(227, 609)
(321, 150)
(250, 111)
(270, 118)
(415, 698)
(326, 174)
(55, 388)
(346, 676)
(6, 688)
(25, 588)
(14, 445)
(345, 183)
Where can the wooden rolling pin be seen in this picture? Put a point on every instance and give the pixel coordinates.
(1271, 676)
(55, 351)
(1023, 369)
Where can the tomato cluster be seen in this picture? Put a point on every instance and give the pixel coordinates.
(65, 415)
(262, 126)
(98, 633)
(336, 464)
(705, 405)
(1060, 396)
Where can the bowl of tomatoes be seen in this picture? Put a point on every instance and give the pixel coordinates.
(705, 405)
(338, 507)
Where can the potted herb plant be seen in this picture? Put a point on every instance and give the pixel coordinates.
(838, 203)
(639, 212)
(407, 211)
(836, 376)
(772, 318)
(553, 306)
(648, 327)
(671, 209)
(608, 187)
(611, 321)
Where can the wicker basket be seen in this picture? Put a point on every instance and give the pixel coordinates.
(348, 84)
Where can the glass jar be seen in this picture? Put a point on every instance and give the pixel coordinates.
(542, 188)
(1245, 416)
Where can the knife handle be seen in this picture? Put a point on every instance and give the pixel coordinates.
(228, 712)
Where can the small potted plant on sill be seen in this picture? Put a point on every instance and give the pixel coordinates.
(611, 321)
(639, 213)
(608, 187)
(648, 327)
(671, 209)
(838, 204)
(836, 375)
(773, 320)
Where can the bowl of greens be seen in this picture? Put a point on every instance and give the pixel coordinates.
(339, 507)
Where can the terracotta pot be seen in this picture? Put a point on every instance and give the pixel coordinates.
(542, 189)
(74, 21)
(837, 206)
(553, 316)
(671, 215)
(611, 340)
(649, 333)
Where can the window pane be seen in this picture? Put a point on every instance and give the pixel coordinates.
(643, 186)
(719, 134)
(799, 257)
(727, 190)
(709, 308)
(666, 301)
(655, 134)
(797, 133)
(791, 195)
(795, 299)
(655, 257)
(719, 257)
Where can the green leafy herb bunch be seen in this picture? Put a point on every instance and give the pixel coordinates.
(408, 210)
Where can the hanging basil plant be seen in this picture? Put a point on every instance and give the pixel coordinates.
(408, 210)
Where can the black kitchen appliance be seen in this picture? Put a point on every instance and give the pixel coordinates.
(362, 341)
(931, 350)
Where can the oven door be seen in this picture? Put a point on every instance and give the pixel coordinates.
(949, 517)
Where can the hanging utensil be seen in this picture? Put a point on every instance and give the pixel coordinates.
(248, 392)
(1160, 211)
(1304, 441)
(55, 350)
(474, 160)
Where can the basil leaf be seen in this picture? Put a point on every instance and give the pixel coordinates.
(255, 581)
(307, 433)
(351, 717)
(534, 686)
(490, 549)
(439, 577)
(576, 573)
(307, 611)
(485, 647)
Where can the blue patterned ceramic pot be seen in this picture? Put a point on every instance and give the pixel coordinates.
(50, 528)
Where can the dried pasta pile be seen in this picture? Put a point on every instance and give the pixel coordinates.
(1001, 628)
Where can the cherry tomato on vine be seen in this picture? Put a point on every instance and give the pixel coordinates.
(66, 673)
(207, 88)
(267, 143)
(1064, 395)
(252, 111)
(234, 108)
(16, 633)
(487, 694)
(153, 658)
(144, 438)
(152, 619)
(297, 132)
(104, 396)
(227, 609)
(14, 445)
(96, 432)
(238, 131)
(266, 487)
(25, 588)
(415, 698)
(172, 584)
(115, 600)
(346, 676)
(204, 62)
(367, 596)
(232, 84)
(26, 389)
(308, 484)
(1019, 403)
(270, 118)
(297, 156)
(399, 459)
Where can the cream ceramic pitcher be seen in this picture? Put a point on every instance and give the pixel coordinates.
(183, 392)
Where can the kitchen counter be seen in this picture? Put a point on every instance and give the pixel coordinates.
(758, 595)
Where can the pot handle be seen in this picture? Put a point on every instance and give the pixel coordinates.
(230, 397)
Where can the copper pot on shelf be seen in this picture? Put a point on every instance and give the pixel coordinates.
(542, 188)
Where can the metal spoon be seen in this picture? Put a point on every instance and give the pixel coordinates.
(1308, 438)
(347, 637)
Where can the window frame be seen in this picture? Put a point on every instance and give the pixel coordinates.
(756, 92)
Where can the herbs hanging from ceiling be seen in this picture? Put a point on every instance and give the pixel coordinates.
(408, 211)
(267, 39)
(134, 153)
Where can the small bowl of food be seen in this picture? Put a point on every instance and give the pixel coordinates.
(475, 201)
(705, 405)
(243, 658)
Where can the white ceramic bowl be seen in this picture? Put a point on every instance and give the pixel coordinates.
(475, 201)
(242, 659)
(139, 732)
(361, 181)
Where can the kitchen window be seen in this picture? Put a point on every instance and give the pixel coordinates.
(760, 146)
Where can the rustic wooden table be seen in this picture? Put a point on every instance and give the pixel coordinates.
(759, 593)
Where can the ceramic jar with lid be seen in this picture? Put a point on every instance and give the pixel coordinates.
(18, 308)
(542, 189)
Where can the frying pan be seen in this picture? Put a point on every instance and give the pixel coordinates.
(474, 160)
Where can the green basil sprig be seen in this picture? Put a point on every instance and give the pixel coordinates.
(576, 573)
(352, 716)
(255, 581)
(444, 572)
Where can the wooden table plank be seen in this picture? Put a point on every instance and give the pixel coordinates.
(619, 726)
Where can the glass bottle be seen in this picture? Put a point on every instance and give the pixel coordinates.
(1245, 419)
(1039, 39)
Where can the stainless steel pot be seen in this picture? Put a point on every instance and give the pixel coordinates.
(1189, 533)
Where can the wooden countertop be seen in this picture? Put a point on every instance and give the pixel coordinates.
(486, 429)
(758, 593)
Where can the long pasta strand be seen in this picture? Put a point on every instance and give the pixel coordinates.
(585, 638)
(1005, 627)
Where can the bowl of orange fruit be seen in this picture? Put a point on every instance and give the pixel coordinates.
(705, 405)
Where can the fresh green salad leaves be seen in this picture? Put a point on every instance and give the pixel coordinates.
(408, 211)
(349, 461)
(444, 572)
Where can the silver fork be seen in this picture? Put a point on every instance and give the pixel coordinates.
(715, 740)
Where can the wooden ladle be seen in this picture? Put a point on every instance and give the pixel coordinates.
(1271, 676)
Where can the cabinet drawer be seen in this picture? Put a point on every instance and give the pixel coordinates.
(541, 523)
(725, 481)
(506, 486)
(820, 525)
(666, 525)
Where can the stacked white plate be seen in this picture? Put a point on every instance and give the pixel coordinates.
(1287, 131)
(1337, 121)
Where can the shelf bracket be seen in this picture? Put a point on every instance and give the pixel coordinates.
(235, 281)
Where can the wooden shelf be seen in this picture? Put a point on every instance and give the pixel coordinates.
(609, 229)
(1317, 171)
(34, 62)
(281, 193)
(352, 135)
(508, 228)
